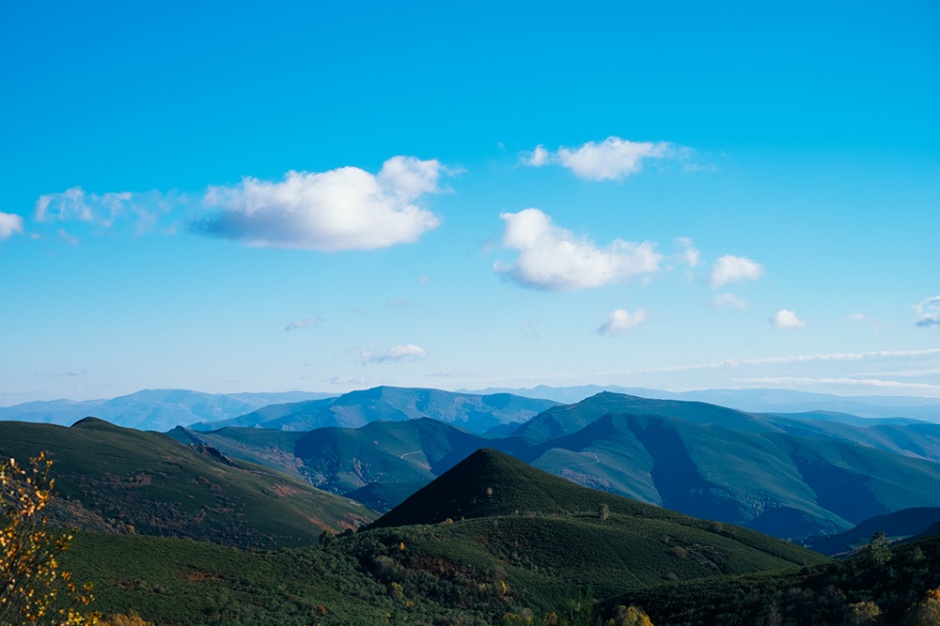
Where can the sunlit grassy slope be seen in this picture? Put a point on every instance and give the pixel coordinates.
(121, 480)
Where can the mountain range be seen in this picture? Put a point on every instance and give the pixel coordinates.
(163, 409)
(477, 413)
(489, 538)
(152, 409)
(792, 475)
(788, 475)
(754, 400)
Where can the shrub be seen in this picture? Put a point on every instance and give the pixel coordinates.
(32, 588)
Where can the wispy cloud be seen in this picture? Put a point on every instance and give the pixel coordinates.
(730, 300)
(10, 224)
(75, 204)
(552, 258)
(690, 255)
(444, 374)
(796, 381)
(928, 312)
(612, 159)
(305, 323)
(729, 269)
(840, 356)
(342, 209)
(395, 354)
(786, 320)
(926, 356)
(351, 380)
(620, 321)
(67, 237)
(832, 357)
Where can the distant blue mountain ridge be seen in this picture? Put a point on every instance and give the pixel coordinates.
(162, 409)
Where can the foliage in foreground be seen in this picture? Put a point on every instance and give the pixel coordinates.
(33, 589)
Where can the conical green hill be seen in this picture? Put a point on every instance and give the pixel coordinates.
(558, 522)
(489, 482)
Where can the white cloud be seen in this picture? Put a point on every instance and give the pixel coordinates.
(552, 258)
(10, 224)
(621, 320)
(729, 268)
(395, 354)
(786, 319)
(690, 255)
(928, 312)
(612, 159)
(858, 317)
(731, 301)
(306, 323)
(342, 209)
(539, 157)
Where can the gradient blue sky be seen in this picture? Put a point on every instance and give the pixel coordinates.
(678, 195)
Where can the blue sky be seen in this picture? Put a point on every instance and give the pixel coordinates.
(312, 196)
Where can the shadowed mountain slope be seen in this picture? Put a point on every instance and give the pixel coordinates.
(772, 481)
(898, 525)
(342, 460)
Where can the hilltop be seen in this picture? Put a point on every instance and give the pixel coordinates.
(489, 483)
